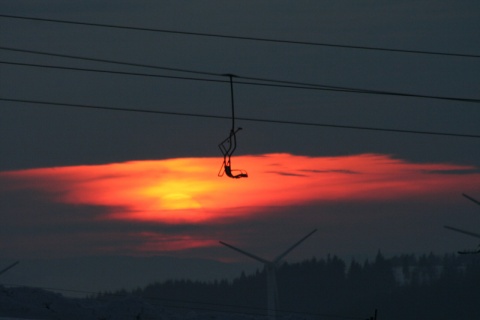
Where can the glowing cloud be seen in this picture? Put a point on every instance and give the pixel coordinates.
(188, 190)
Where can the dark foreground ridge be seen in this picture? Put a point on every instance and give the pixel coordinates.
(402, 287)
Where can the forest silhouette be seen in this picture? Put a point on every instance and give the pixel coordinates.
(405, 286)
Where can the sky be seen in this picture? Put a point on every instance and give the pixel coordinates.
(78, 182)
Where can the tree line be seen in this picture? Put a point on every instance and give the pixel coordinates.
(405, 286)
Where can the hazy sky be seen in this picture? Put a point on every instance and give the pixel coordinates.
(78, 181)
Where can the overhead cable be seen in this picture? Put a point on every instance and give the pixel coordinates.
(124, 63)
(263, 82)
(233, 37)
(190, 304)
(273, 121)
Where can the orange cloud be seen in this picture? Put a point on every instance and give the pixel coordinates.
(188, 189)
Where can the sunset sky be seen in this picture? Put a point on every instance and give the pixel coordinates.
(156, 196)
(369, 171)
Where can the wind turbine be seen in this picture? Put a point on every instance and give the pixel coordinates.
(270, 268)
(473, 234)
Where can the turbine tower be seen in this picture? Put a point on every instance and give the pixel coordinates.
(270, 268)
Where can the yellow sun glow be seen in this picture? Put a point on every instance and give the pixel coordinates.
(188, 189)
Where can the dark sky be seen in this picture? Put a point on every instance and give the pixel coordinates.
(36, 215)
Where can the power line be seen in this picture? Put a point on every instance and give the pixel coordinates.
(233, 37)
(273, 121)
(110, 71)
(189, 304)
(193, 305)
(264, 82)
(125, 63)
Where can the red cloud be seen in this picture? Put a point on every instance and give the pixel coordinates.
(188, 189)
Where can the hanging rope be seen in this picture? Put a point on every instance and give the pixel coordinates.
(229, 145)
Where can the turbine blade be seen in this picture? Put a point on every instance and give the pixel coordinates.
(9, 267)
(473, 234)
(245, 253)
(471, 199)
(280, 257)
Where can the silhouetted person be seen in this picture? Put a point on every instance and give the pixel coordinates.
(227, 154)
